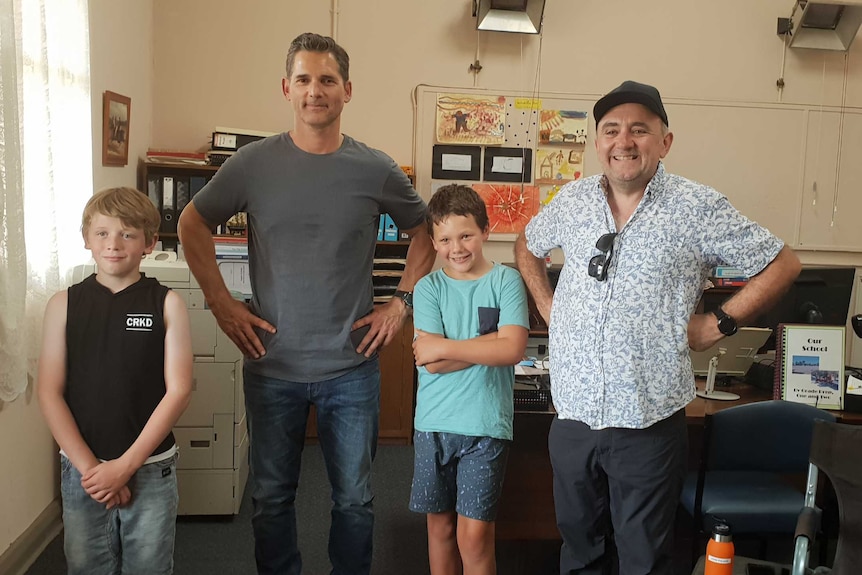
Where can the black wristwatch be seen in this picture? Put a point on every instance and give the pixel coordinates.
(726, 324)
(405, 296)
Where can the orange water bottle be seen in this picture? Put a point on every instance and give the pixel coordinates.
(719, 552)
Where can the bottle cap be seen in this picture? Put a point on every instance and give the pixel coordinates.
(721, 532)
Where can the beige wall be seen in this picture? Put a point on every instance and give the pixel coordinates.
(219, 63)
(120, 61)
(29, 473)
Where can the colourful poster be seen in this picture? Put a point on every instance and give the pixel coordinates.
(558, 165)
(466, 119)
(563, 128)
(510, 206)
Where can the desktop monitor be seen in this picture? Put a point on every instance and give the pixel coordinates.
(818, 296)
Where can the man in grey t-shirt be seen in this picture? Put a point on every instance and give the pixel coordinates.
(311, 332)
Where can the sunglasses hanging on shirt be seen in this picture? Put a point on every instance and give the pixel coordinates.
(599, 264)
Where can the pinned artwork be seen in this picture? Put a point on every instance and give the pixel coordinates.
(558, 165)
(508, 165)
(563, 128)
(469, 119)
(510, 207)
(456, 162)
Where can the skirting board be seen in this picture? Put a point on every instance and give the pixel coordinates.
(26, 549)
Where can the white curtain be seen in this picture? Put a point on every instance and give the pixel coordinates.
(45, 168)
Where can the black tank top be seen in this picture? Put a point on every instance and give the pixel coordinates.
(115, 362)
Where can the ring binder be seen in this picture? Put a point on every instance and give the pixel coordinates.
(169, 220)
(810, 365)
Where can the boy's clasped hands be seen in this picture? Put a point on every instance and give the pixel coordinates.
(107, 483)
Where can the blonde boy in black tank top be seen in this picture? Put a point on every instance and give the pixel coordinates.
(114, 376)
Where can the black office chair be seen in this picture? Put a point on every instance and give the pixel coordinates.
(748, 453)
(835, 450)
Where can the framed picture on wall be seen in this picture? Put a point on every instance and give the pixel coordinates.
(116, 113)
(508, 165)
(456, 162)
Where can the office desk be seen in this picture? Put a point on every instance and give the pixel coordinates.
(699, 407)
(527, 503)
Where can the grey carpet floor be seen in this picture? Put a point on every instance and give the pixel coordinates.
(225, 545)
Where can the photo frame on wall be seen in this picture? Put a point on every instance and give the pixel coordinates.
(116, 113)
(508, 165)
(456, 162)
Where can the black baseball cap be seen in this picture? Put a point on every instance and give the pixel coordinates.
(630, 92)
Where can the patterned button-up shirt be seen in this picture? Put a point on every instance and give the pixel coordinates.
(619, 348)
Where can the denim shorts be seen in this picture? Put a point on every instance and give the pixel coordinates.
(136, 538)
(458, 472)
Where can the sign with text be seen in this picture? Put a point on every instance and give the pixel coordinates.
(811, 368)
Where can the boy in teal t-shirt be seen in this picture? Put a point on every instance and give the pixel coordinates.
(471, 324)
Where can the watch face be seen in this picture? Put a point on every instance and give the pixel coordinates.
(727, 325)
(406, 297)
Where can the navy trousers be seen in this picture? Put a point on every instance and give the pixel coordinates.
(624, 482)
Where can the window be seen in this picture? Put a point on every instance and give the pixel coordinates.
(45, 168)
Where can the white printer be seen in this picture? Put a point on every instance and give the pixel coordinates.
(212, 469)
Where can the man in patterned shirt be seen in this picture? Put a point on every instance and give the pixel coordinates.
(639, 244)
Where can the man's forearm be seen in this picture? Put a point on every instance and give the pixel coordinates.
(534, 274)
(199, 250)
(763, 290)
(420, 258)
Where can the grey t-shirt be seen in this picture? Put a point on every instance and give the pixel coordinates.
(312, 230)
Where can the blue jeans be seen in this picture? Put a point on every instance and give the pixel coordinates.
(347, 420)
(135, 539)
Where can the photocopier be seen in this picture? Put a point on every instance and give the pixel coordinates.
(212, 468)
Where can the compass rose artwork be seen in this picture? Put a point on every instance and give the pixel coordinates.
(510, 206)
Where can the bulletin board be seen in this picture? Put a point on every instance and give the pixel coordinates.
(514, 173)
(756, 154)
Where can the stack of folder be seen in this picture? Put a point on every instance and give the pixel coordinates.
(162, 156)
(232, 139)
(387, 231)
(170, 194)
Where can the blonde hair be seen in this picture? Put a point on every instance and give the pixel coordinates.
(130, 206)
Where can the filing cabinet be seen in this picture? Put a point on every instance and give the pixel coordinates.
(212, 469)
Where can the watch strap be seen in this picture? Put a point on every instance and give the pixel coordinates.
(405, 296)
(726, 323)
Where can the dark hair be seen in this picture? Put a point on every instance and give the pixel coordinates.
(311, 42)
(459, 200)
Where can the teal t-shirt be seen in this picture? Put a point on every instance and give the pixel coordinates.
(476, 401)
